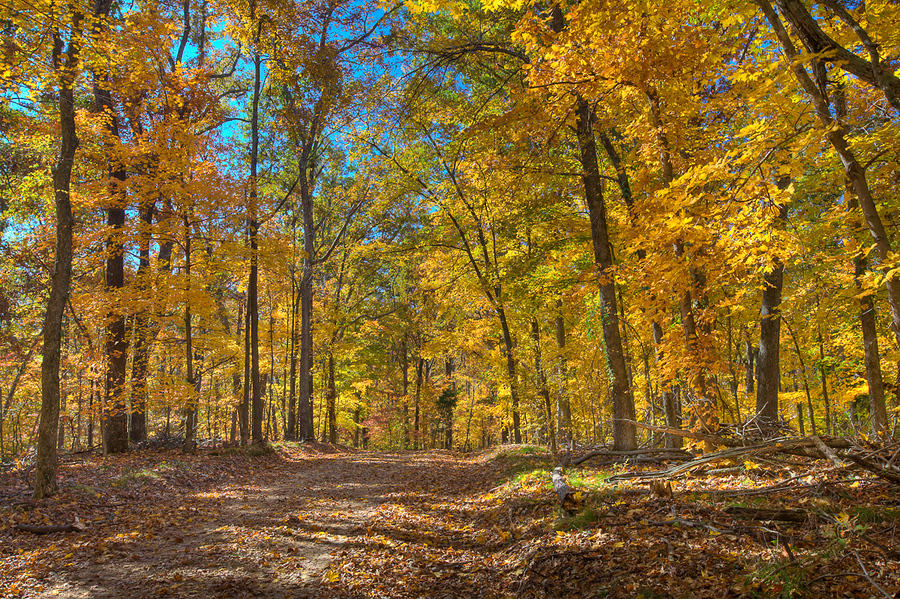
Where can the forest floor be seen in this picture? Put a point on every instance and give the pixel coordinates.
(319, 521)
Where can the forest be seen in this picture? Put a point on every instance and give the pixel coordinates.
(493, 297)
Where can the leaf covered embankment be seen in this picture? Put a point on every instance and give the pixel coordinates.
(754, 527)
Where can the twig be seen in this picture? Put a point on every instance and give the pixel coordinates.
(866, 574)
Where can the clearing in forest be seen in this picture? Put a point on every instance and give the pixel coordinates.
(322, 521)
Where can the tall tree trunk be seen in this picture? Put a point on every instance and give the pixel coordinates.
(564, 418)
(670, 405)
(357, 417)
(542, 383)
(306, 293)
(877, 407)
(404, 378)
(45, 461)
(829, 424)
(291, 433)
(802, 362)
(237, 380)
(749, 377)
(115, 417)
(256, 399)
(767, 369)
(624, 434)
(140, 363)
(512, 375)
(416, 433)
(332, 401)
(190, 407)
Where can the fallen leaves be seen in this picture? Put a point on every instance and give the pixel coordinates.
(433, 525)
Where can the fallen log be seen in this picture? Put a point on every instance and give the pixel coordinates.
(633, 455)
(783, 515)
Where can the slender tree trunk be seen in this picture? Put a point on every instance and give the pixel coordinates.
(564, 418)
(511, 373)
(46, 461)
(306, 292)
(670, 405)
(357, 417)
(243, 389)
(404, 378)
(624, 434)
(749, 378)
(190, 407)
(256, 399)
(809, 403)
(140, 363)
(877, 407)
(332, 401)
(61, 434)
(292, 376)
(829, 424)
(416, 432)
(542, 383)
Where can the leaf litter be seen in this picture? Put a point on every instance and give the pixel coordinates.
(304, 522)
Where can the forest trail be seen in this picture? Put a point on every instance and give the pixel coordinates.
(164, 524)
(320, 521)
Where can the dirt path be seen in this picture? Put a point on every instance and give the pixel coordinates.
(209, 526)
(435, 525)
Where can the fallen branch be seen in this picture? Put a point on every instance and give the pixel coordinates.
(826, 451)
(44, 529)
(635, 455)
(785, 515)
(891, 475)
(869, 578)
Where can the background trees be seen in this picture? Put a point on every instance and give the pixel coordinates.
(447, 224)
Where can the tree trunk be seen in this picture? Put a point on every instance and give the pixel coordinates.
(511, 372)
(291, 434)
(767, 369)
(809, 403)
(877, 407)
(670, 405)
(45, 461)
(564, 418)
(542, 383)
(306, 290)
(855, 172)
(237, 380)
(115, 428)
(829, 425)
(416, 433)
(140, 363)
(624, 434)
(404, 377)
(256, 399)
(749, 378)
(190, 407)
(332, 401)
